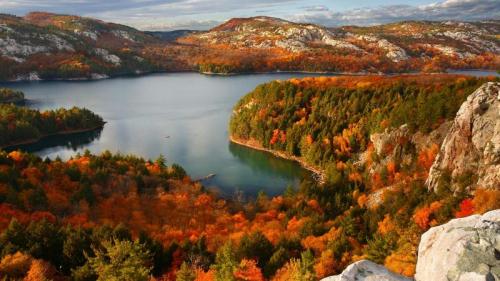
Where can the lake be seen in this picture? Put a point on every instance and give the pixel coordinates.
(183, 116)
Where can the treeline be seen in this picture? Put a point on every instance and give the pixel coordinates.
(326, 120)
(21, 124)
(325, 61)
(11, 96)
(82, 65)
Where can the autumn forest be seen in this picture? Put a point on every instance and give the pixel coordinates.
(121, 217)
(391, 144)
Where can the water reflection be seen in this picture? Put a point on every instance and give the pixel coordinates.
(72, 142)
(265, 163)
(192, 110)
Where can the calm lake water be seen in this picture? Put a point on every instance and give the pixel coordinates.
(183, 116)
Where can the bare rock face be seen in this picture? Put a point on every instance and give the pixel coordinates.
(398, 145)
(365, 270)
(466, 249)
(387, 140)
(471, 149)
(390, 144)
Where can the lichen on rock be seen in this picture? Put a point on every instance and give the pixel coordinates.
(462, 249)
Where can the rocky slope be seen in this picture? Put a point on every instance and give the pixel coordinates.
(48, 46)
(406, 44)
(397, 41)
(267, 32)
(448, 38)
(470, 154)
(463, 249)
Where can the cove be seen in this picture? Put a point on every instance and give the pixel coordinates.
(183, 116)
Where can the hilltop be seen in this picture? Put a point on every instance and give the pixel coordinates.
(276, 44)
(51, 46)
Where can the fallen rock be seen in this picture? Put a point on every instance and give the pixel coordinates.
(365, 270)
(471, 149)
(466, 249)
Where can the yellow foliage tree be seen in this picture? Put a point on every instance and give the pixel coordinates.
(325, 265)
(485, 200)
(16, 265)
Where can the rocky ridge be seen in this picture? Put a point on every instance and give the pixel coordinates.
(464, 249)
(397, 41)
(398, 145)
(470, 153)
(51, 46)
(267, 32)
(447, 37)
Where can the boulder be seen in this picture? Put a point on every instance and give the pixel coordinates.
(365, 270)
(470, 153)
(465, 249)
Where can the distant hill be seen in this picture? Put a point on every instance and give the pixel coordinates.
(404, 46)
(51, 46)
(173, 35)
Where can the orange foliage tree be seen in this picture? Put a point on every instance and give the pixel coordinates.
(423, 216)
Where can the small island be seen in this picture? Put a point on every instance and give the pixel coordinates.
(21, 125)
(11, 96)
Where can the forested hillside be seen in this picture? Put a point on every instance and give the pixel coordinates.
(326, 122)
(119, 216)
(99, 217)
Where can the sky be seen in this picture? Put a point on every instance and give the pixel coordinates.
(204, 14)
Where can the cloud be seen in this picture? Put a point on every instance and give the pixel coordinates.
(201, 14)
(319, 8)
(134, 8)
(204, 14)
(191, 25)
(467, 10)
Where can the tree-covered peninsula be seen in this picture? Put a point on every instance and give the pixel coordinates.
(22, 125)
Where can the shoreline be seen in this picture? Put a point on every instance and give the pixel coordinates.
(14, 101)
(215, 74)
(63, 133)
(362, 73)
(319, 175)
